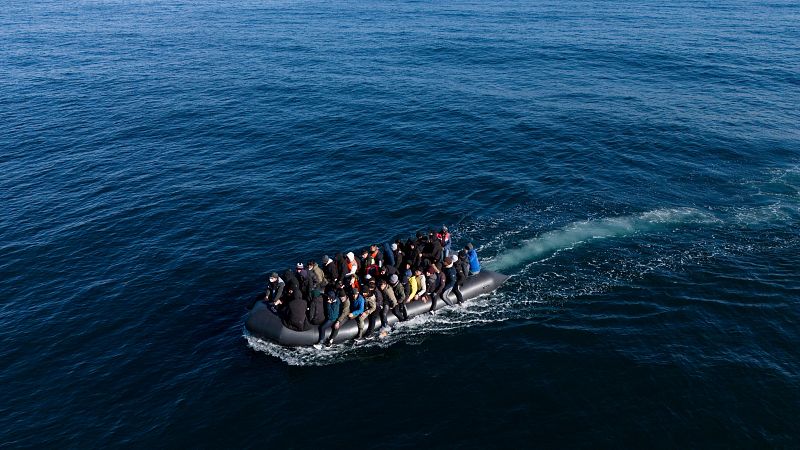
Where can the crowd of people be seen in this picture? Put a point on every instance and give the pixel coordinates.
(368, 287)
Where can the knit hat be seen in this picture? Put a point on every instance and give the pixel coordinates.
(299, 265)
(453, 257)
(325, 259)
(351, 256)
(393, 279)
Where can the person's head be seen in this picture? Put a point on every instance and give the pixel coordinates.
(394, 246)
(394, 279)
(383, 270)
(373, 247)
(431, 269)
(444, 229)
(351, 256)
(365, 253)
(354, 294)
(384, 284)
(312, 264)
(420, 234)
(371, 285)
(365, 290)
(273, 277)
(418, 270)
(448, 261)
(453, 258)
(462, 254)
(469, 247)
(299, 266)
(325, 259)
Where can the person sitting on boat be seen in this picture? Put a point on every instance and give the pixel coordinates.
(330, 269)
(351, 276)
(422, 284)
(439, 285)
(318, 279)
(386, 272)
(304, 279)
(274, 290)
(389, 301)
(472, 257)
(357, 306)
(295, 313)
(412, 289)
(380, 308)
(370, 306)
(344, 312)
(388, 255)
(376, 255)
(399, 256)
(332, 307)
(316, 307)
(400, 296)
(454, 275)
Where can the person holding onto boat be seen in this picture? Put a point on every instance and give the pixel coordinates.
(344, 313)
(400, 296)
(332, 307)
(274, 290)
(472, 257)
(369, 305)
(318, 278)
(444, 237)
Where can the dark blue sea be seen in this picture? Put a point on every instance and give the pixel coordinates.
(634, 166)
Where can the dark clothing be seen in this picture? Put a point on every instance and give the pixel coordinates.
(331, 272)
(436, 251)
(316, 310)
(389, 259)
(296, 315)
(331, 314)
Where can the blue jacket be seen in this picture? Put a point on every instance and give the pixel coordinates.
(332, 309)
(474, 265)
(388, 254)
(357, 306)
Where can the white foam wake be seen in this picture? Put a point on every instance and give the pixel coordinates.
(580, 232)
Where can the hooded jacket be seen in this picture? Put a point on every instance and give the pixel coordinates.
(474, 265)
(296, 315)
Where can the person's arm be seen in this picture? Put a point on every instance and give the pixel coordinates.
(353, 270)
(358, 307)
(412, 282)
(371, 306)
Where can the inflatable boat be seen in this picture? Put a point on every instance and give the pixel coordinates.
(262, 323)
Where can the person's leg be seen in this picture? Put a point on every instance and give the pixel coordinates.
(334, 331)
(445, 294)
(360, 322)
(457, 291)
(382, 311)
(372, 319)
(325, 325)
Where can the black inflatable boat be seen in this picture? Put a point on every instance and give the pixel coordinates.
(263, 323)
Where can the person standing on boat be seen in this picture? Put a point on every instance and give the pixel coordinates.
(472, 257)
(330, 269)
(344, 313)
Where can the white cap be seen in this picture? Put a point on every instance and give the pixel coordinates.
(454, 257)
(394, 246)
(351, 256)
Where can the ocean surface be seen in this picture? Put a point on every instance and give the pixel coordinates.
(634, 166)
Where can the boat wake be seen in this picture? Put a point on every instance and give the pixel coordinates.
(665, 240)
